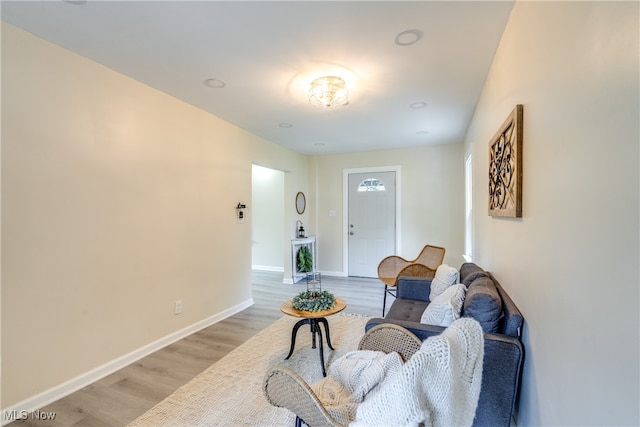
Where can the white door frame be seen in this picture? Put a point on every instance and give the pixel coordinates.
(345, 209)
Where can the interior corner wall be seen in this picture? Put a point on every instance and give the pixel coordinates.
(117, 200)
(571, 263)
(432, 200)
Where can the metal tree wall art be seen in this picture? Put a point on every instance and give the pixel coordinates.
(505, 168)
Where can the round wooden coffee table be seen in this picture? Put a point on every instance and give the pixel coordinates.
(313, 319)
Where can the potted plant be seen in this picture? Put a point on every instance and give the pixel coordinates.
(305, 260)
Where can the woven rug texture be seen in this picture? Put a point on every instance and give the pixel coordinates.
(229, 392)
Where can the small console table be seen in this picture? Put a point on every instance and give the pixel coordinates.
(296, 244)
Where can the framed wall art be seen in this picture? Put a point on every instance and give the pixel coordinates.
(505, 168)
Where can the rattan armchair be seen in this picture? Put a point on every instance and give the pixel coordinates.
(393, 266)
(285, 388)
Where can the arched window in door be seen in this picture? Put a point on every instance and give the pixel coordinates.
(371, 184)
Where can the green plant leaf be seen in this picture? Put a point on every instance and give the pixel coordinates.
(305, 260)
(313, 301)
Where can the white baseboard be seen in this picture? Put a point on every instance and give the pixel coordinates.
(267, 268)
(58, 392)
(334, 273)
(289, 280)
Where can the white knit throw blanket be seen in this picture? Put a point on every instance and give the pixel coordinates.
(351, 377)
(438, 386)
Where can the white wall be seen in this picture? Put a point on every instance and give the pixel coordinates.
(267, 219)
(117, 200)
(432, 196)
(571, 263)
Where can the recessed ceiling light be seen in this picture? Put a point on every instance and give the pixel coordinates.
(76, 2)
(422, 132)
(417, 105)
(408, 37)
(319, 144)
(214, 83)
(285, 125)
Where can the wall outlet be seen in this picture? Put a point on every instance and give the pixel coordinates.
(177, 309)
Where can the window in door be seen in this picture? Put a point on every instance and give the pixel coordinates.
(371, 184)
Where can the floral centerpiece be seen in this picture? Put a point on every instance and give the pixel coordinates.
(313, 301)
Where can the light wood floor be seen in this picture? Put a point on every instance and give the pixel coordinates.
(126, 394)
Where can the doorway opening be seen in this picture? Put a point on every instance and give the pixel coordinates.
(267, 213)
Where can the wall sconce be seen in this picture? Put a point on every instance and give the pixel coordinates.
(240, 212)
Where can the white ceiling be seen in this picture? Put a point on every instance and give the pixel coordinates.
(268, 52)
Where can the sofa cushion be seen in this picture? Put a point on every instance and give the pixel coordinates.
(446, 307)
(413, 288)
(483, 303)
(511, 323)
(445, 277)
(470, 272)
(407, 309)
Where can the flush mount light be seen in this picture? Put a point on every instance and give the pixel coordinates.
(328, 92)
(408, 37)
(422, 132)
(214, 83)
(417, 105)
(285, 125)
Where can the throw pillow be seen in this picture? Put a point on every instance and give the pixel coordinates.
(445, 276)
(446, 308)
(470, 272)
(483, 303)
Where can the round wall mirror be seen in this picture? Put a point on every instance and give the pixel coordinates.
(301, 202)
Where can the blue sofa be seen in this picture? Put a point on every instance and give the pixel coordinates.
(501, 321)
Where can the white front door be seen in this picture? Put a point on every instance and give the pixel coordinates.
(371, 223)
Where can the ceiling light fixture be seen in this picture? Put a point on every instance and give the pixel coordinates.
(328, 92)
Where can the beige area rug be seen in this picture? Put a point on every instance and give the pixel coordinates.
(229, 393)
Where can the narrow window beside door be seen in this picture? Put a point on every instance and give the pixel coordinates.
(468, 210)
